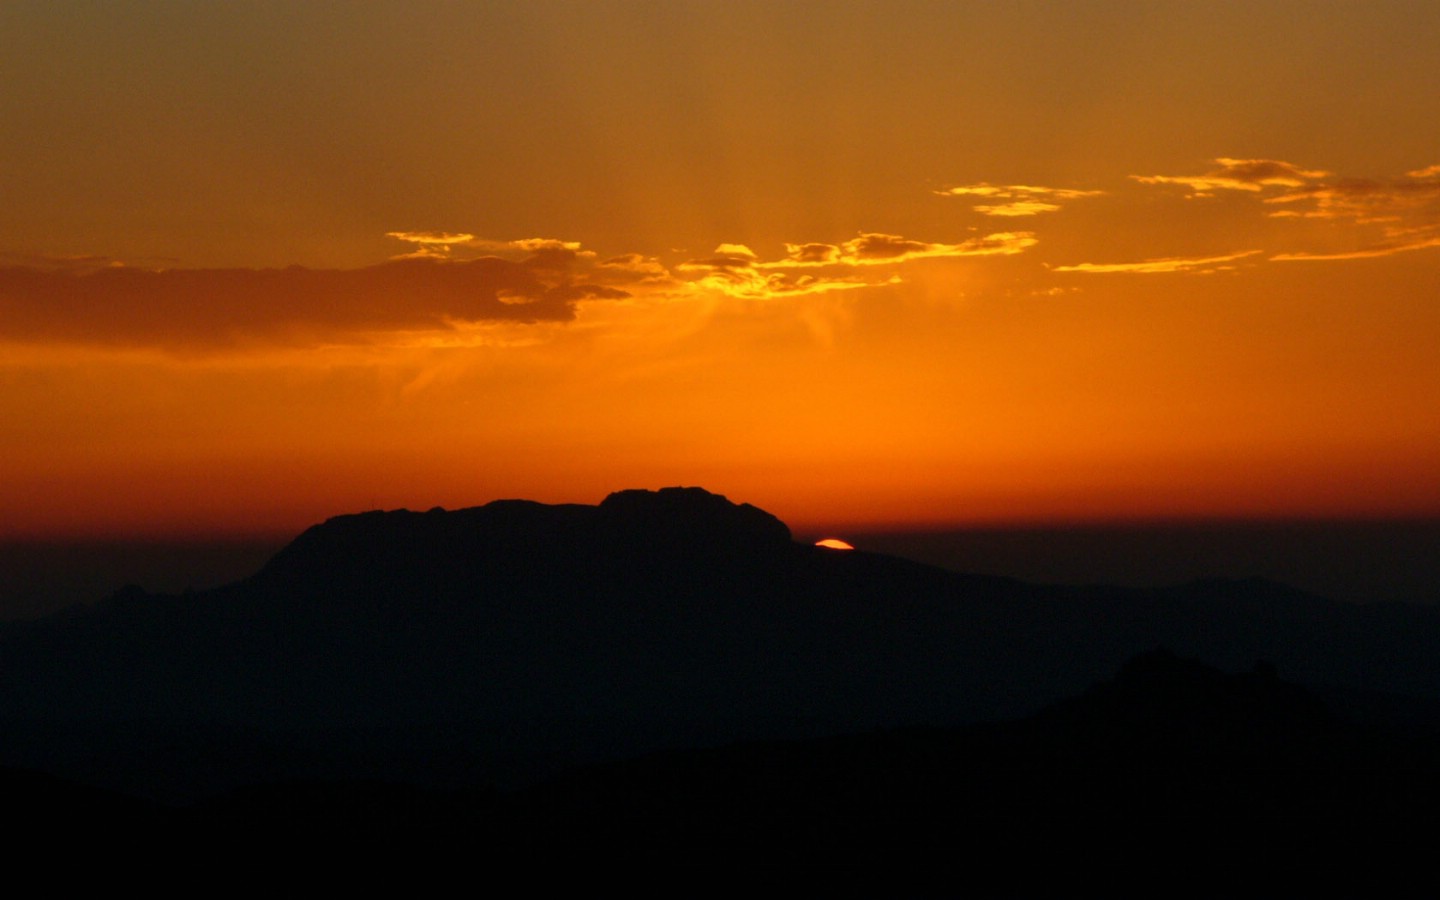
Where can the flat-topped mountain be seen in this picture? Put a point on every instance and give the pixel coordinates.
(666, 529)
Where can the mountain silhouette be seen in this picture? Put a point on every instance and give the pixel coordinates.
(501, 645)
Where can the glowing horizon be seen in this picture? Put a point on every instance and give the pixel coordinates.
(364, 275)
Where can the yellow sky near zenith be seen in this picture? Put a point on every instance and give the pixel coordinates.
(902, 263)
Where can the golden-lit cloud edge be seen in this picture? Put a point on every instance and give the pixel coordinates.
(737, 271)
(1163, 265)
(429, 244)
(1016, 200)
(874, 248)
(1328, 196)
(444, 245)
(1386, 249)
(450, 285)
(1405, 211)
(1229, 174)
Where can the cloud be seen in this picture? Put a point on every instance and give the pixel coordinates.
(459, 245)
(1161, 266)
(812, 254)
(1230, 174)
(726, 256)
(873, 248)
(429, 244)
(876, 248)
(753, 284)
(1319, 194)
(1405, 210)
(1017, 199)
(636, 266)
(1367, 199)
(1385, 215)
(542, 248)
(55, 262)
(198, 310)
(1018, 208)
(736, 270)
(1388, 248)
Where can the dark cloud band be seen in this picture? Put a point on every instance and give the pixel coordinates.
(198, 308)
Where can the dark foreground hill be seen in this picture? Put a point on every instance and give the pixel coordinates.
(501, 645)
(1172, 779)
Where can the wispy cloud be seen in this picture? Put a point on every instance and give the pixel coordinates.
(869, 249)
(1015, 200)
(1364, 199)
(754, 284)
(1162, 266)
(737, 270)
(1389, 248)
(429, 244)
(633, 266)
(460, 245)
(873, 248)
(1377, 216)
(1405, 211)
(527, 246)
(1231, 174)
(726, 256)
(79, 262)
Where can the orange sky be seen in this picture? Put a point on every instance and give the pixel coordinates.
(900, 263)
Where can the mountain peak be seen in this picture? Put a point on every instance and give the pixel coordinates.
(689, 514)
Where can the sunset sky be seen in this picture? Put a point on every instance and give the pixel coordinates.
(889, 263)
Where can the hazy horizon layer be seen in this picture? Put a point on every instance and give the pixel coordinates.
(1385, 561)
(1374, 561)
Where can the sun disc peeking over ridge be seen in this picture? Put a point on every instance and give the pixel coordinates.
(834, 544)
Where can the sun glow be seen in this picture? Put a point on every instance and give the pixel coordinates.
(663, 272)
(834, 544)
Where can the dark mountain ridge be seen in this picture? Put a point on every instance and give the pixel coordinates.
(504, 643)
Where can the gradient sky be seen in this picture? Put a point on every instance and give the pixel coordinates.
(880, 263)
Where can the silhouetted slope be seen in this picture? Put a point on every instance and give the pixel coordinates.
(1174, 779)
(1165, 711)
(510, 641)
(1171, 779)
